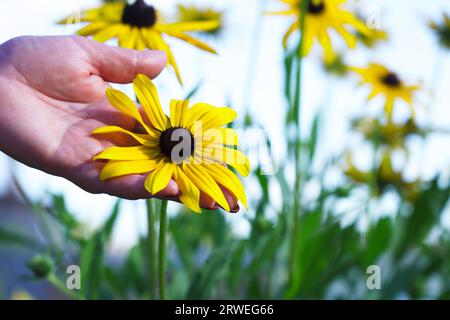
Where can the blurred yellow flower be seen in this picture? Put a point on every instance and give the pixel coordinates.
(392, 135)
(383, 176)
(336, 66)
(442, 30)
(139, 26)
(388, 84)
(322, 16)
(187, 13)
(21, 295)
(190, 147)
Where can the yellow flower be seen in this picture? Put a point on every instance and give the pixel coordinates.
(139, 26)
(195, 13)
(392, 135)
(383, 177)
(336, 66)
(388, 84)
(21, 295)
(322, 17)
(442, 30)
(190, 147)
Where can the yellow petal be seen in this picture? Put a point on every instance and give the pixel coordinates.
(288, 33)
(124, 36)
(148, 97)
(228, 179)
(114, 169)
(140, 43)
(225, 136)
(158, 179)
(190, 194)
(124, 104)
(195, 42)
(162, 45)
(178, 110)
(196, 112)
(205, 183)
(108, 33)
(325, 42)
(188, 26)
(129, 38)
(359, 25)
(215, 118)
(146, 140)
(128, 153)
(349, 38)
(92, 28)
(231, 157)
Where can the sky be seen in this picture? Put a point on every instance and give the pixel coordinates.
(248, 73)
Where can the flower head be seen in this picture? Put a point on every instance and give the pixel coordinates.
(391, 135)
(383, 176)
(139, 26)
(190, 147)
(322, 16)
(442, 30)
(388, 84)
(194, 13)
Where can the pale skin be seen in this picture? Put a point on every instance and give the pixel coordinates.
(52, 96)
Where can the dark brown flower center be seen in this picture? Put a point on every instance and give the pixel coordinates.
(315, 7)
(139, 14)
(177, 144)
(391, 79)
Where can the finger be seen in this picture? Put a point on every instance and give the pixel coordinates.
(231, 199)
(207, 202)
(120, 65)
(131, 187)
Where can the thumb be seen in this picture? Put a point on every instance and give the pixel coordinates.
(120, 65)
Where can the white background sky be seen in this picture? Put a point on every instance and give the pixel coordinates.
(412, 51)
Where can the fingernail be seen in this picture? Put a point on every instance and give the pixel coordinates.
(235, 209)
(158, 55)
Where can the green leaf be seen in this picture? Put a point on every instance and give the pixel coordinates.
(110, 222)
(378, 239)
(209, 274)
(92, 256)
(194, 90)
(426, 213)
(62, 214)
(9, 237)
(312, 144)
(90, 265)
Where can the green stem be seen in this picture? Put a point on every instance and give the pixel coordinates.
(151, 240)
(297, 146)
(54, 281)
(162, 250)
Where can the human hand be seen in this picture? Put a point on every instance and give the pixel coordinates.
(52, 93)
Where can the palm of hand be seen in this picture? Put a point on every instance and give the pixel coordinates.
(61, 101)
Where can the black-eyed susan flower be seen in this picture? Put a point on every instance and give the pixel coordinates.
(388, 84)
(140, 26)
(186, 13)
(391, 135)
(442, 30)
(383, 176)
(323, 16)
(190, 147)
